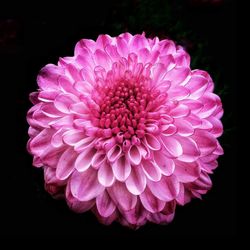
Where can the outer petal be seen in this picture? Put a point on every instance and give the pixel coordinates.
(85, 186)
(104, 204)
(105, 175)
(150, 202)
(166, 189)
(136, 181)
(122, 197)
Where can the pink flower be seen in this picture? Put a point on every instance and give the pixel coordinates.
(126, 129)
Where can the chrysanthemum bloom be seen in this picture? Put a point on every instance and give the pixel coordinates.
(126, 129)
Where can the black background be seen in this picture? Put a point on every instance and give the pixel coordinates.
(32, 36)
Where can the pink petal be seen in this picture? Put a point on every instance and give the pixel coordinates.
(165, 164)
(111, 50)
(64, 101)
(168, 61)
(105, 175)
(85, 186)
(105, 205)
(203, 182)
(210, 102)
(186, 172)
(83, 161)
(197, 86)
(39, 143)
(50, 111)
(191, 151)
(83, 87)
(158, 72)
(138, 42)
(205, 141)
(136, 182)
(152, 142)
(122, 47)
(217, 129)
(172, 146)
(178, 93)
(177, 76)
(134, 155)
(122, 197)
(102, 59)
(72, 137)
(66, 85)
(168, 129)
(151, 171)
(86, 44)
(180, 111)
(51, 156)
(47, 77)
(150, 202)
(114, 153)
(85, 143)
(98, 159)
(184, 128)
(57, 138)
(102, 41)
(73, 72)
(66, 164)
(194, 105)
(121, 168)
(66, 122)
(76, 205)
(166, 189)
(50, 177)
(48, 95)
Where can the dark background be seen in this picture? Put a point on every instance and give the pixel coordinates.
(32, 36)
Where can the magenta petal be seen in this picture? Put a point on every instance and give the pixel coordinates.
(66, 164)
(150, 202)
(151, 170)
(178, 93)
(39, 143)
(177, 75)
(168, 129)
(84, 159)
(184, 128)
(72, 137)
(85, 186)
(165, 164)
(172, 146)
(105, 175)
(136, 182)
(180, 111)
(76, 205)
(64, 101)
(191, 151)
(197, 86)
(104, 204)
(205, 141)
(47, 78)
(186, 172)
(114, 153)
(121, 168)
(102, 59)
(166, 189)
(98, 159)
(152, 142)
(134, 155)
(121, 196)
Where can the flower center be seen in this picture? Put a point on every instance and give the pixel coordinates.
(123, 109)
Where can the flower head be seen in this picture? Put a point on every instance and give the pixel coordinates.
(125, 128)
